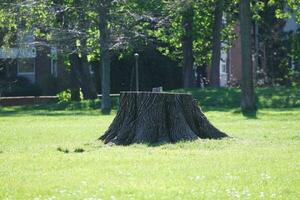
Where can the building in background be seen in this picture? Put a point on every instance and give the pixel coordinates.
(37, 63)
(231, 62)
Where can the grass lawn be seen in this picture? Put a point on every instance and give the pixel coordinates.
(38, 158)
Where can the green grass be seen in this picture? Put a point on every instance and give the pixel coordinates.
(272, 97)
(54, 154)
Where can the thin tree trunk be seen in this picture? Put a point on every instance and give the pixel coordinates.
(105, 56)
(216, 44)
(256, 42)
(75, 88)
(187, 47)
(88, 85)
(248, 98)
(81, 77)
(87, 80)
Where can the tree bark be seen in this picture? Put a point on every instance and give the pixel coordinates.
(90, 90)
(149, 117)
(248, 98)
(216, 44)
(105, 55)
(81, 78)
(256, 52)
(75, 86)
(187, 47)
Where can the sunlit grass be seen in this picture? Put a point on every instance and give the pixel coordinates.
(261, 161)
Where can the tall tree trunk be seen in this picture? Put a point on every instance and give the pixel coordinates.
(256, 52)
(88, 86)
(75, 88)
(248, 98)
(105, 56)
(216, 44)
(81, 77)
(87, 81)
(187, 47)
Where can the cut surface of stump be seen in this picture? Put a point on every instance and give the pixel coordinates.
(158, 117)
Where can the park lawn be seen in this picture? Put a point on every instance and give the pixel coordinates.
(261, 161)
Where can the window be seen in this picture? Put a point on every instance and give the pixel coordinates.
(91, 69)
(26, 66)
(223, 68)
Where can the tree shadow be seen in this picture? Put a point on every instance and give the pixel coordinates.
(250, 115)
(49, 113)
(209, 99)
(91, 107)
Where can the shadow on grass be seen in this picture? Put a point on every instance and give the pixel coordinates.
(269, 97)
(250, 115)
(205, 143)
(91, 107)
(209, 99)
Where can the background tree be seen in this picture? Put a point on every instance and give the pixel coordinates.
(248, 97)
(187, 44)
(216, 44)
(104, 18)
(183, 32)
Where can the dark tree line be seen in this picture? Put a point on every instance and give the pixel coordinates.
(190, 33)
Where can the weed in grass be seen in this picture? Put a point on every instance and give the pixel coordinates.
(79, 150)
(63, 150)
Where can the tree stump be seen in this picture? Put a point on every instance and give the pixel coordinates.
(157, 117)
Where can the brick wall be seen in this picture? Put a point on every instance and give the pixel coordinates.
(235, 58)
(30, 100)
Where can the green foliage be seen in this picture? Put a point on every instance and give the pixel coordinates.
(171, 31)
(64, 96)
(277, 49)
(292, 8)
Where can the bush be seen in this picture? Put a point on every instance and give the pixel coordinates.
(22, 87)
(64, 96)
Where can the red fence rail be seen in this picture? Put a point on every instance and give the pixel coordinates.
(27, 100)
(34, 100)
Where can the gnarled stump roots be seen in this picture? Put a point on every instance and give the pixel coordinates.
(148, 117)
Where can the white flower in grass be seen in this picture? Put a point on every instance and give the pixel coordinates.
(273, 195)
(232, 192)
(261, 194)
(229, 176)
(112, 197)
(62, 191)
(38, 197)
(265, 176)
(246, 193)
